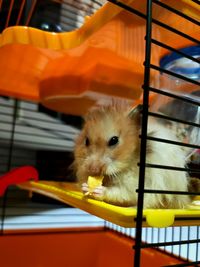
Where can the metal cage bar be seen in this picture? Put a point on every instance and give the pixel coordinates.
(143, 135)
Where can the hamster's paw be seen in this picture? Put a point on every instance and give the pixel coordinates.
(99, 192)
(85, 188)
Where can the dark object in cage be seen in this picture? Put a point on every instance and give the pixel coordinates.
(53, 166)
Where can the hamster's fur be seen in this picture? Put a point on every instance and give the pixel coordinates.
(117, 159)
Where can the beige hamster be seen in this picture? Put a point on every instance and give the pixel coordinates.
(109, 146)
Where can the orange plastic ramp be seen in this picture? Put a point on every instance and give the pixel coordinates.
(102, 59)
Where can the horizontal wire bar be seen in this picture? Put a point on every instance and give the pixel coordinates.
(55, 131)
(28, 125)
(154, 191)
(172, 95)
(159, 23)
(169, 28)
(174, 74)
(35, 143)
(33, 119)
(21, 108)
(188, 218)
(128, 8)
(194, 263)
(41, 120)
(39, 135)
(161, 116)
(7, 114)
(156, 139)
(164, 167)
(172, 243)
(158, 43)
(176, 11)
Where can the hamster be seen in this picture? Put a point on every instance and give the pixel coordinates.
(109, 146)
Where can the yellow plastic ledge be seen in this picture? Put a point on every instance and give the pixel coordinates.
(70, 194)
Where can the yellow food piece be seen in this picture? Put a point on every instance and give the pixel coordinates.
(94, 181)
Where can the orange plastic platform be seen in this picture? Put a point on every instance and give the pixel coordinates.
(70, 72)
(76, 249)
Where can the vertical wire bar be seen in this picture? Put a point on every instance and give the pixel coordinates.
(180, 238)
(172, 251)
(30, 13)
(146, 234)
(152, 235)
(1, 2)
(9, 13)
(10, 152)
(105, 225)
(143, 135)
(197, 250)
(20, 11)
(188, 245)
(165, 237)
(158, 235)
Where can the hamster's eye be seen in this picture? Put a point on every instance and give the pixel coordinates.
(87, 141)
(113, 141)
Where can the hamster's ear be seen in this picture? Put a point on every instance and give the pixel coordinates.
(135, 114)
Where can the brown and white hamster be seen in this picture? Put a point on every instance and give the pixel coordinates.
(109, 146)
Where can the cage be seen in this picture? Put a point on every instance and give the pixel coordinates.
(49, 223)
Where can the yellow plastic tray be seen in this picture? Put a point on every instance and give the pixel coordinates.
(70, 194)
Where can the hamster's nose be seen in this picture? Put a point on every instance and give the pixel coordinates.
(94, 170)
